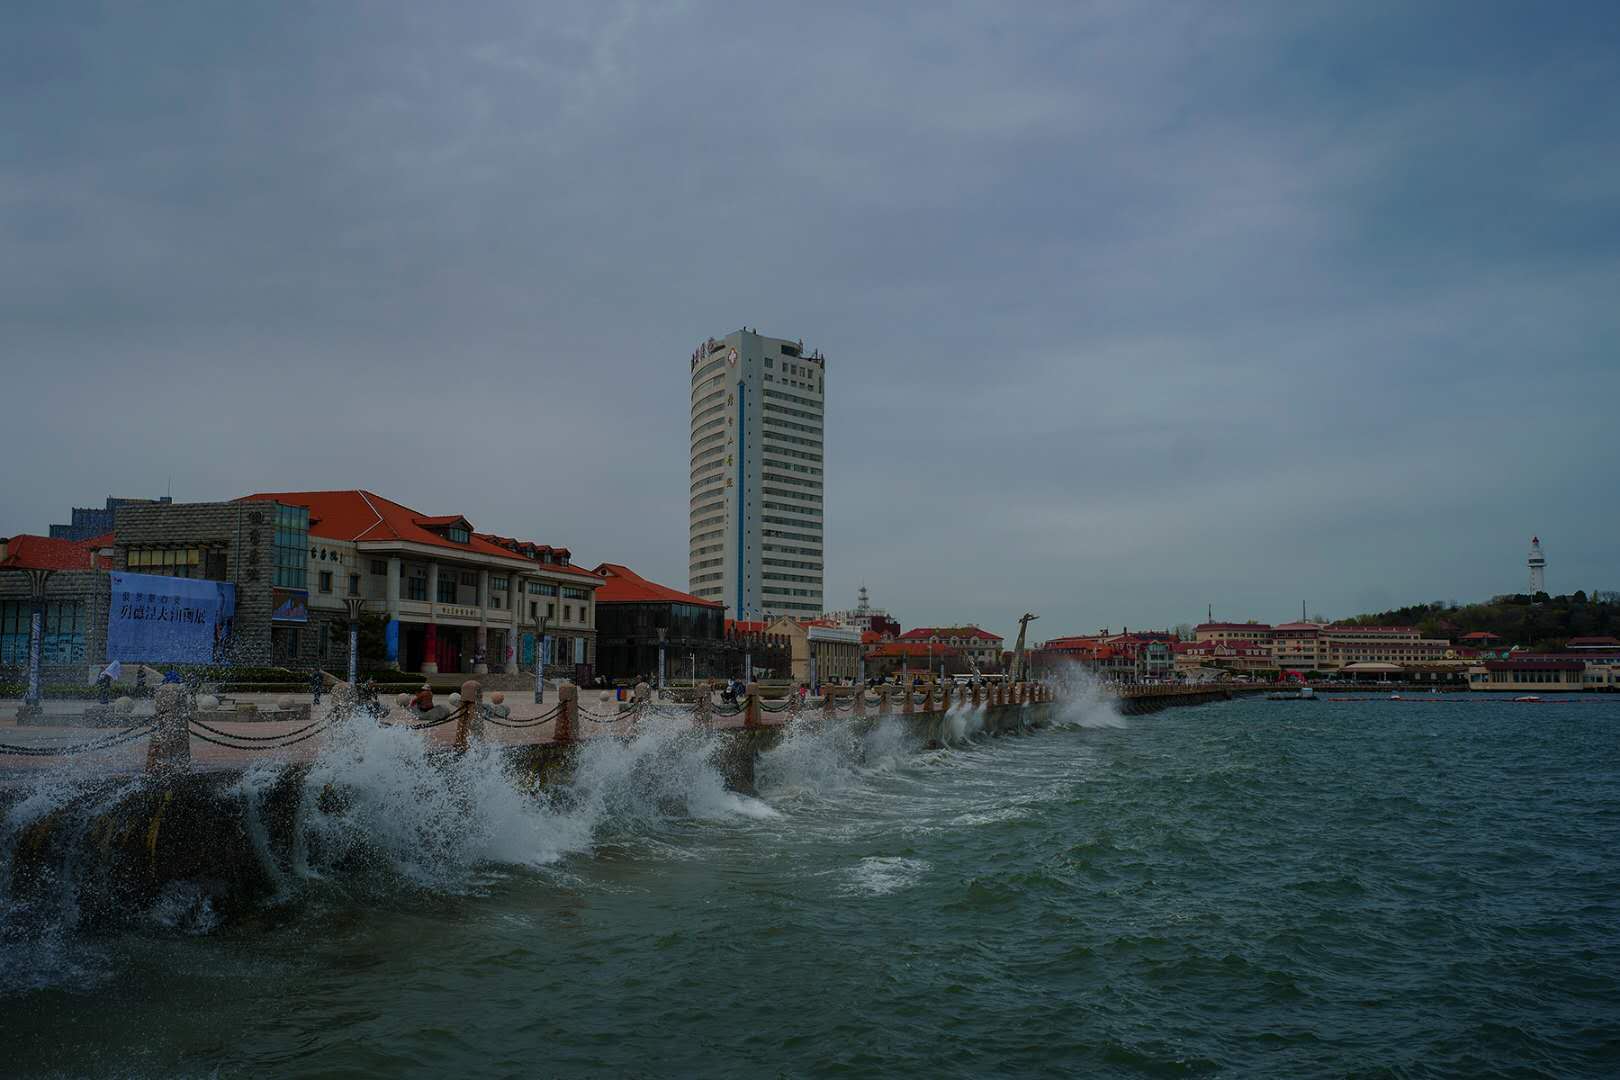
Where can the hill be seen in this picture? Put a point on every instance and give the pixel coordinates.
(1537, 622)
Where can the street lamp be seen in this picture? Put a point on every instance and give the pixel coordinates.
(748, 658)
(541, 623)
(355, 604)
(663, 639)
(36, 632)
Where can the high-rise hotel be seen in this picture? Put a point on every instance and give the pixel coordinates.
(757, 405)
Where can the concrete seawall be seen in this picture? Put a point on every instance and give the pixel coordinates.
(125, 840)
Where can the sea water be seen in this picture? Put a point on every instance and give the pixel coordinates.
(1247, 888)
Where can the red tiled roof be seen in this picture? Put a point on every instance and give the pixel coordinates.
(1592, 642)
(1232, 626)
(625, 586)
(912, 649)
(357, 515)
(743, 626)
(1481, 635)
(26, 552)
(923, 633)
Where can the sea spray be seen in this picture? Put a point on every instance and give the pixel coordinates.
(383, 800)
(664, 769)
(1084, 702)
(40, 916)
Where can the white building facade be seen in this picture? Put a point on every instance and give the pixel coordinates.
(755, 523)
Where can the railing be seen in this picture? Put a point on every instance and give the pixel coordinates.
(176, 722)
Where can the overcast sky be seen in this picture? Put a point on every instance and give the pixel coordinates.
(1129, 308)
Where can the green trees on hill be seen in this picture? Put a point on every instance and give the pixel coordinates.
(1535, 622)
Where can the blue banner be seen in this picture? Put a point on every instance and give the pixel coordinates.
(158, 620)
(391, 640)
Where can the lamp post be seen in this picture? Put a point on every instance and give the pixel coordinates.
(693, 657)
(663, 639)
(36, 633)
(748, 658)
(355, 604)
(812, 647)
(541, 622)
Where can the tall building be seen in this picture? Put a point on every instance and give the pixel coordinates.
(756, 495)
(1538, 567)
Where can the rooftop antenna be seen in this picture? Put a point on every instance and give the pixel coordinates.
(1209, 613)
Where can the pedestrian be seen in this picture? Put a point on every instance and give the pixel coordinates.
(104, 681)
(317, 683)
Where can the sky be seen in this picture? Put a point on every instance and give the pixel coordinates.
(1131, 309)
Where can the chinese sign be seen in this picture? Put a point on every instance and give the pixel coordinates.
(153, 619)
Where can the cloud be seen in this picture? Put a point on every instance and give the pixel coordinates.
(1130, 307)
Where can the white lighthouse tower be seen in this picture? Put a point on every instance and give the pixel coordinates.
(1538, 567)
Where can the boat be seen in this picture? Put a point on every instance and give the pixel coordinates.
(1528, 699)
(1304, 693)
(1396, 697)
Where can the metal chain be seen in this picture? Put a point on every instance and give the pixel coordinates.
(127, 735)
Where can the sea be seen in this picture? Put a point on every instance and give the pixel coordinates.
(1348, 887)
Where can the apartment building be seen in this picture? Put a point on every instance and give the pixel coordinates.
(757, 475)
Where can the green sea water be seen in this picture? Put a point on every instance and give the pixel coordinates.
(1253, 888)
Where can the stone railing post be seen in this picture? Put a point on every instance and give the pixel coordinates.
(470, 725)
(907, 701)
(974, 699)
(751, 709)
(883, 700)
(704, 705)
(860, 699)
(168, 749)
(641, 697)
(567, 713)
(829, 702)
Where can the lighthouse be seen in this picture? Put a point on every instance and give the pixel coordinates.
(1538, 567)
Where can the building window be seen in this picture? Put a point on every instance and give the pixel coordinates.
(326, 581)
(167, 562)
(499, 584)
(63, 632)
(416, 588)
(541, 588)
(447, 589)
(379, 567)
(354, 584)
(458, 534)
(570, 592)
(290, 538)
(469, 578)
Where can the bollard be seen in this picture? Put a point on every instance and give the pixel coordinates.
(705, 704)
(643, 694)
(751, 710)
(907, 701)
(860, 699)
(829, 702)
(470, 725)
(168, 750)
(567, 711)
(974, 698)
(883, 700)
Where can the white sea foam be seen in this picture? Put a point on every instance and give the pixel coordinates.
(879, 875)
